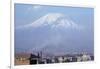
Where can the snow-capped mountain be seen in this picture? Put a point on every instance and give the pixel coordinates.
(54, 20)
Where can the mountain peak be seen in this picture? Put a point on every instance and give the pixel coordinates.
(51, 17)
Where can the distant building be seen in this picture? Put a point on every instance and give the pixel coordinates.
(86, 57)
(92, 57)
(34, 59)
(79, 59)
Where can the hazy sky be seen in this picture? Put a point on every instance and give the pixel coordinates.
(76, 37)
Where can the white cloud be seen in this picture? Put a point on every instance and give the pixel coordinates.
(36, 7)
(33, 8)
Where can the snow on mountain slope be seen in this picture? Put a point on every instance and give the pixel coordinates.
(54, 20)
